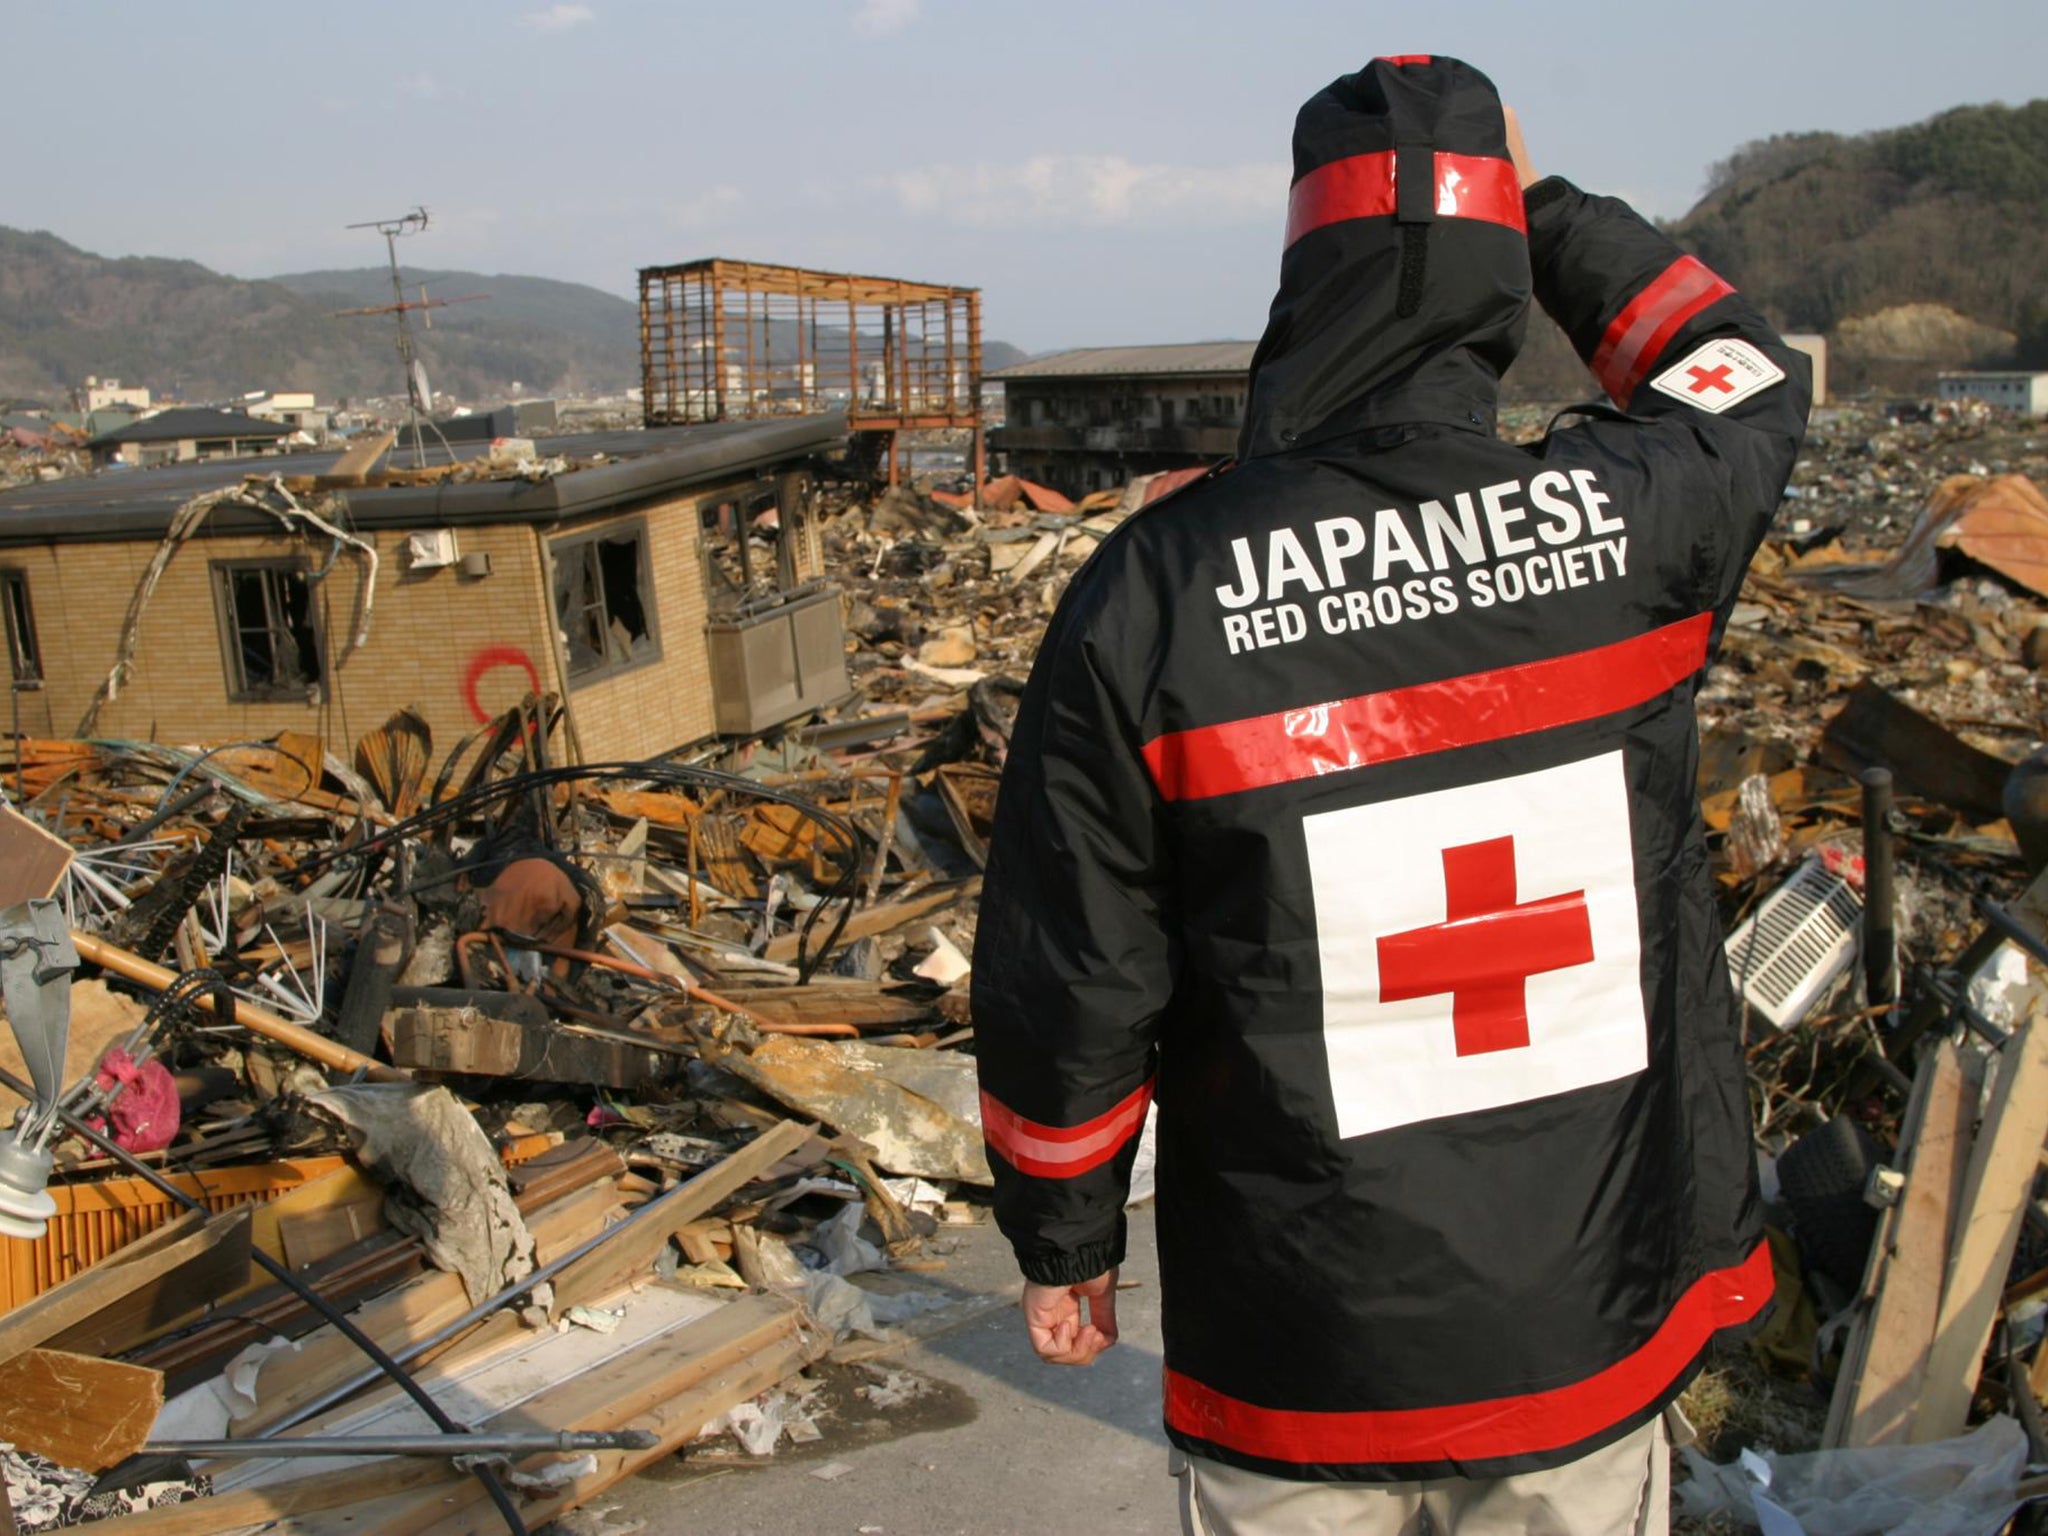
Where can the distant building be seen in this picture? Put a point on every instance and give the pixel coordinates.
(101, 394)
(1097, 416)
(1816, 349)
(296, 409)
(522, 418)
(2013, 391)
(184, 434)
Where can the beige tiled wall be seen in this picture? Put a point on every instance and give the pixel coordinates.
(457, 647)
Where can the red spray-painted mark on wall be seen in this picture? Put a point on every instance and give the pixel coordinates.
(489, 659)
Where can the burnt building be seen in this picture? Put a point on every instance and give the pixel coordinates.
(1097, 416)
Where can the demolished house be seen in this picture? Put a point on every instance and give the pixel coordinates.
(619, 574)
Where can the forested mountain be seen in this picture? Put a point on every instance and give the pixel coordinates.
(1912, 250)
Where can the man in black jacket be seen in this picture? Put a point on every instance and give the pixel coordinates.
(1351, 805)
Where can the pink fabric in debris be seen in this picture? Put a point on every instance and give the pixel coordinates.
(145, 1116)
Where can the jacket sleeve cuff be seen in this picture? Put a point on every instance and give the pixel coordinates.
(1545, 192)
(1084, 1263)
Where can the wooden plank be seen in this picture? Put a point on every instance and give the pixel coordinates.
(465, 1040)
(674, 1387)
(42, 1318)
(301, 1496)
(605, 1269)
(873, 920)
(212, 1270)
(311, 1236)
(78, 1410)
(676, 1421)
(325, 1358)
(354, 466)
(1908, 1306)
(1987, 1228)
(32, 861)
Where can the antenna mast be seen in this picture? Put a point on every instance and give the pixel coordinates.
(418, 396)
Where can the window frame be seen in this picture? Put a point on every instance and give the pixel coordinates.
(24, 663)
(228, 627)
(564, 546)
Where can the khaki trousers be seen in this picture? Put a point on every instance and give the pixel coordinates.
(1623, 1489)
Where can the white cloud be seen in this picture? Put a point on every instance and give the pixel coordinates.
(881, 17)
(1047, 191)
(712, 206)
(557, 18)
(421, 86)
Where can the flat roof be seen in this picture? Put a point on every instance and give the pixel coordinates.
(1187, 357)
(139, 503)
(193, 421)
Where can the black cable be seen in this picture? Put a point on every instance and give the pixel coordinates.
(493, 1485)
(670, 775)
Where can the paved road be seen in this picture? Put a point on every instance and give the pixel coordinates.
(994, 1443)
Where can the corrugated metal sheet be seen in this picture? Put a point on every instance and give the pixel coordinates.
(1191, 357)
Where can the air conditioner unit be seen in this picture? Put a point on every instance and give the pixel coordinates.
(430, 550)
(1797, 941)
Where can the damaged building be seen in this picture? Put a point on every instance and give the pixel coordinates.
(667, 585)
(1095, 417)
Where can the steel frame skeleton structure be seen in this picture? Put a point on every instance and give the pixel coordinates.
(721, 340)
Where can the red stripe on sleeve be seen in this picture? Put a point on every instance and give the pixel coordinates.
(1497, 1427)
(1062, 1152)
(1426, 717)
(1649, 320)
(1362, 187)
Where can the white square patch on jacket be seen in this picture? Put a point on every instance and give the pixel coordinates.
(1720, 374)
(1479, 946)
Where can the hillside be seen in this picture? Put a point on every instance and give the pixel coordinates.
(1912, 249)
(184, 330)
(179, 327)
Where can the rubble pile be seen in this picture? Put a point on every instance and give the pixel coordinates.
(602, 1099)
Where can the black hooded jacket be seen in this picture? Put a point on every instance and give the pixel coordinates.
(1351, 806)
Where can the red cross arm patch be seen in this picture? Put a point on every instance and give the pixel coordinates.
(1724, 372)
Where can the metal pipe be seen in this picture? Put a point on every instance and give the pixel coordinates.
(319, 1048)
(1880, 900)
(413, 1445)
(385, 1365)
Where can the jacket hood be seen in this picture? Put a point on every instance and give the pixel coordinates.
(1404, 287)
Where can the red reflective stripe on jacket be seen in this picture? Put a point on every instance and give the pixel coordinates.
(1638, 334)
(1362, 187)
(1426, 717)
(1498, 1427)
(1062, 1152)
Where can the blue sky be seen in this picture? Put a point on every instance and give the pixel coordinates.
(1108, 172)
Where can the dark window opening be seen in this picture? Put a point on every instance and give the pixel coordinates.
(603, 602)
(268, 632)
(750, 557)
(24, 656)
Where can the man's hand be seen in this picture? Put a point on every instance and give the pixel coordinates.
(1517, 150)
(1052, 1316)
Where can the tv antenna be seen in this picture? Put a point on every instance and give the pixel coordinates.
(419, 396)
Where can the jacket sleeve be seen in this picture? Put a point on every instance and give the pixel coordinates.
(1073, 963)
(1640, 311)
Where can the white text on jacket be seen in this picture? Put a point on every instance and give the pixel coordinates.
(1500, 544)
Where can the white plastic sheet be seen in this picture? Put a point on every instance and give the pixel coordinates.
(1961, 1487)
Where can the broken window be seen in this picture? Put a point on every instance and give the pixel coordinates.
(604, 600)
(23, 654)
(750, 560)
(268, 631)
